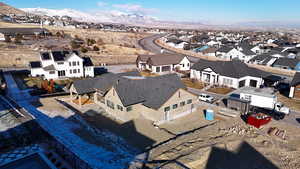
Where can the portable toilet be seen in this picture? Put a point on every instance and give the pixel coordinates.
(209, 114)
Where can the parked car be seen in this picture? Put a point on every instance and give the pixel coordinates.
(206, 98)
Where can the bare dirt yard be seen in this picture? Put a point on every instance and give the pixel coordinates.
(193, 142)
(111, 47)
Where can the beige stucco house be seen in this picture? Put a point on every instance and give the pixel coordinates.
(128, 96)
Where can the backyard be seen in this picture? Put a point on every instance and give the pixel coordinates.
(193, 83)
(220, 90)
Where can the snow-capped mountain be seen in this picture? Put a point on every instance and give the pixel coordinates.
(97, 17)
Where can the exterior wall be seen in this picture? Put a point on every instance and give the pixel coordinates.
(70, 69)
(295, 92)
(180, 96)
(184, 65)
(2, 37)
(89, 71)
(121, 115)
(234, 53)
(37, 72)
(138, 110)
(223, 80)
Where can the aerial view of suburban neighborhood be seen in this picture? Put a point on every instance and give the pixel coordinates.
(129, 84)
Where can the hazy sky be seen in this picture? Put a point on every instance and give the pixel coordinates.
(212, 11)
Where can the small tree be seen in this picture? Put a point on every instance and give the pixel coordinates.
(18, 38)
(100, 42)
(7, 39)
(83, 50)
(74, 45)
(96, 48)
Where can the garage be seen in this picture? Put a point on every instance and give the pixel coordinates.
(242, 83)
(166, 68)
(253, 83)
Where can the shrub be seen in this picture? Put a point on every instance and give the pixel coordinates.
(83, 49)
(96, 48)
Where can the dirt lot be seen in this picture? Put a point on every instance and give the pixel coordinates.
(115, 47)
(193, 142)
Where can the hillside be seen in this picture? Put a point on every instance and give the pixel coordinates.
(6, 9)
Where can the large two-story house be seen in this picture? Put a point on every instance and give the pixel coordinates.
(163, 63)
(233, 74)
(128, 96)
(62, 64)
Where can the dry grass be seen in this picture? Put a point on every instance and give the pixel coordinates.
(148, 74)
(193, 83)
(84, 101)
(220, 90)
(293, 104)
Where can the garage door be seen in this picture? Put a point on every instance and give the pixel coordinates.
(242, 83)
(166, 68)
(253, 83)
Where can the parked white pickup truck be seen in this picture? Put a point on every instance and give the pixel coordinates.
(264, 98)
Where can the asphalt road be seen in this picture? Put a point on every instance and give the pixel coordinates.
(149, 44)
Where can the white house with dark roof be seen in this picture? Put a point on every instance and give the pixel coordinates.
(61, 65)
(163, 63)
(233, 74)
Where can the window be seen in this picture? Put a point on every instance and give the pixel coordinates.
(52, 72)
(78, 70)
(179, 94)
(189, 101)
(182, 103)
(110, 104)
(70, 64)
(227, 81)
(60, 63)
(74, 63)
(128, 109)
(78, 63)
(70, 71)
(175, 106)
(188, 65)
(74, 71)
(167, 109)
(61, 73)
(100, 98)
(157, 69)
(120, 107)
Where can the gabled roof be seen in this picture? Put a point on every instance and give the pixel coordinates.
(235, 69)
(290, 62)
(35, 64)
(162, 59)
(152, 92)
(49, 68)
(296, 79)
(87, 61)
(225, 49)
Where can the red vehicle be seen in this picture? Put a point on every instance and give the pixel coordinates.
(258, 120)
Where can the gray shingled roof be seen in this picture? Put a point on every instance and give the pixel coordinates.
(296, 79)
(165, 59)
(48, 68)
(292, 63)
(235, 69)
(152, 91)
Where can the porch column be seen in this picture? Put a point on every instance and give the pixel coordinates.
(80, 101)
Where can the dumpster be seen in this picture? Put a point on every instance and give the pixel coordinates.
(209, 114)
(258, 120)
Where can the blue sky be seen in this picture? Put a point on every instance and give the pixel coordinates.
(212, 11)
